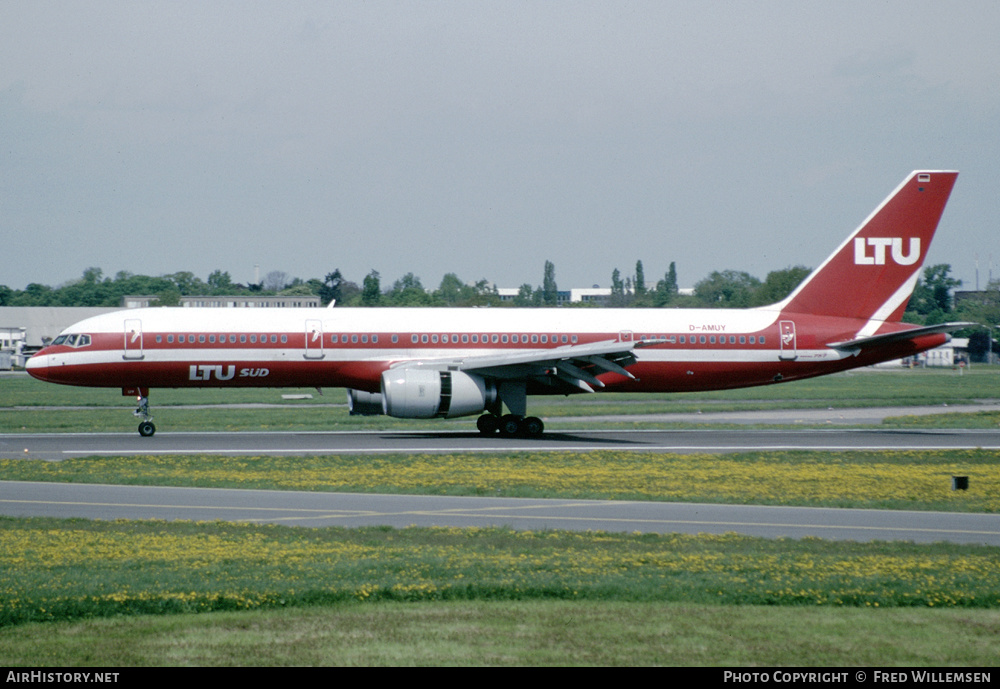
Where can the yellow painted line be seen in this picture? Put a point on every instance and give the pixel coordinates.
(501, 512)
(860, 447)
(686, 522)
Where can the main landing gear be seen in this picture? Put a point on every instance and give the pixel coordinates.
(516, 424)
(510, 425)
(146, 427)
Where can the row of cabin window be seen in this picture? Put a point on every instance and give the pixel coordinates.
(711, 339)
(364, 339)
(432, 339)
(541, 339)
(211, 339)
(493, 339)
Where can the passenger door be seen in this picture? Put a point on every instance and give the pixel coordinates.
(133, 339)
(787, 341)
(314, 339)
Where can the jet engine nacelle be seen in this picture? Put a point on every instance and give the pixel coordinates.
(420, 393)
(361, 403)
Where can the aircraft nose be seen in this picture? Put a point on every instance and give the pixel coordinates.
(38, 365)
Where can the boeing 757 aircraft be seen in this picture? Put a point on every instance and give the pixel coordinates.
(423, 363)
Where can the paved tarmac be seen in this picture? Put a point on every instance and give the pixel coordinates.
(307, 509)
(835, 416)
(322, 509)
(56, 446)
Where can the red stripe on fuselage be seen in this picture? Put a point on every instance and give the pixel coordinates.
(359, 365)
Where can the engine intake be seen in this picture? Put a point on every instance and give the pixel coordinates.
(419, 393)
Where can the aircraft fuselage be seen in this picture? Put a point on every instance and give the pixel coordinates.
(702, 349)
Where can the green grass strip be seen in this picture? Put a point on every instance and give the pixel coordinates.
(918, 480)
(520, 633)
(53, 570)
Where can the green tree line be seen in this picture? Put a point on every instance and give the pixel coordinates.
(932, 301)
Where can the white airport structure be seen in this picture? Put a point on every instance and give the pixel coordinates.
(297, 301)
(577, 295)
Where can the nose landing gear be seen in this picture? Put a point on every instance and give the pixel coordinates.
(146, 427)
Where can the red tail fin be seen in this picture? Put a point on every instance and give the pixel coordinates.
(872, 275)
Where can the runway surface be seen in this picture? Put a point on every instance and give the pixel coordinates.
(323, 509)
(22, 499)
(54, 447)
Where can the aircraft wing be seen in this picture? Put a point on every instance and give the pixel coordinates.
(875, 341)
(573, 366)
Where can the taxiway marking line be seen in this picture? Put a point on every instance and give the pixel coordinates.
(495, 513)
(249, 508)
(687, 522)
(523, 448)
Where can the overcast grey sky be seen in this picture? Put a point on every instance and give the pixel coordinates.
(485, 138)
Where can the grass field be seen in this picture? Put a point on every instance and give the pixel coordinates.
(122, 593)
(558, 596)
(520, 633)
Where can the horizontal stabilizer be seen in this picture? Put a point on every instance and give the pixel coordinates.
(901, 336)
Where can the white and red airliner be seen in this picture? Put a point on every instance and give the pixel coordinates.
(419, 363)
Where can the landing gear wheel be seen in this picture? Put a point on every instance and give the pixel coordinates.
(488, 424)
(146, 427)
(510, 425)
(533, 426)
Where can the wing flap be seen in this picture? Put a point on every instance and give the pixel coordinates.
(576, 366)
(609, 366)
(572, 374)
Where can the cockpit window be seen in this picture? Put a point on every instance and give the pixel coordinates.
(72, 340)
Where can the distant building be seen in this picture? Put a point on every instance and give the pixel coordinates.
(11, 347)
(510, 294)
(981, 297)
(41, 324)
(296, 301)
(11, 339)
(139, 301)
(590, 295)
(950, 354)
(577, 295)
